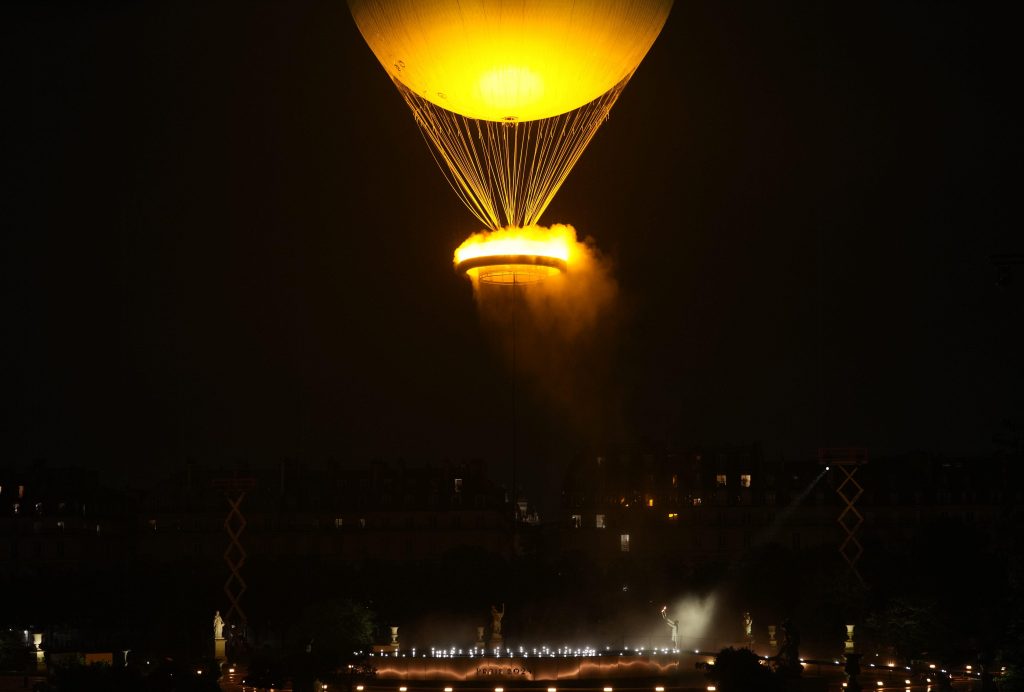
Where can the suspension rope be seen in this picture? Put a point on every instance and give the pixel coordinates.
(507, 173)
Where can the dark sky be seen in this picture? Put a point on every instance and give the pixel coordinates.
(224, 238)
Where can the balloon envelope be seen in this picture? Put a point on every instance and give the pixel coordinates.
(510, 60)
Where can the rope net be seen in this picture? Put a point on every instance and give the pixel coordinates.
(507, 172)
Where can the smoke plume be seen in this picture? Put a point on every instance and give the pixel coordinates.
(558, 334)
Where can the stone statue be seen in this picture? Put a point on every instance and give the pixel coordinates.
(787, 661)
(218, 626)
(497, 615)
(674, 624)
(748, 627)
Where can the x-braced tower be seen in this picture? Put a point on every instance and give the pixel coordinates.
(235, 555)
(847, 460)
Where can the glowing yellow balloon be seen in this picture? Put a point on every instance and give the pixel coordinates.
(510, 60)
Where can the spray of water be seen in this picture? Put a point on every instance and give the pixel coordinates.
(694, 615)
(700, 625)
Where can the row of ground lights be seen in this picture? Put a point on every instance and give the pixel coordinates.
(543, 651)
(710, 688)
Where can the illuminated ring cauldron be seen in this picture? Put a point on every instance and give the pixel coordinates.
(512, 269)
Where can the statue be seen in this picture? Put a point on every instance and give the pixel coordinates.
(218, 626)
(674, 624)
(787, 661)
(497, 615)
(748, 627)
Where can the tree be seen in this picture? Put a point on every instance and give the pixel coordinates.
(909, 626)
(326, 634)
(333, 629)
(14, 653)
(740, 670)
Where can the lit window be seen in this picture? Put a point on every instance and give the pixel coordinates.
(577, 521)
(745, 480)
(720, 480)
(624, 542)
(675, 481)
(21, 491)
(696, 502)
(458, 485)
(338, 522)
(650, 502)
(673, 515)
(599, 521)
(17, 507)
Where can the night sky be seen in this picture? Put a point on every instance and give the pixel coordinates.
(225, 239)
